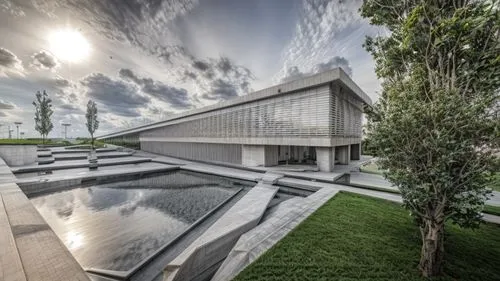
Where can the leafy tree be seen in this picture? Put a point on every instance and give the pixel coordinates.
(436, 124)
(43, 113)
(92, 122)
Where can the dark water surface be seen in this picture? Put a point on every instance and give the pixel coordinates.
(114, 226)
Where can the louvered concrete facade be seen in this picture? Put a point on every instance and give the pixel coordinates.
(313, 119)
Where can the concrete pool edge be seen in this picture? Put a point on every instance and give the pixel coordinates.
(31, 188)
(39, 251)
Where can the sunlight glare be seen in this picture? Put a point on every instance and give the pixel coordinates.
(74, 240)
(69, 45)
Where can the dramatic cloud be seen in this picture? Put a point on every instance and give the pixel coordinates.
(5, 105)
(293, 73)
(219, 79)
(325, 29)
(44, 60)
(333, 63)
(200, 65)
(199, 52)
(11, 8)
(117, 96)
(176, 97)
(221, 90)
(6, 109)
(142, 23)
(9, 63)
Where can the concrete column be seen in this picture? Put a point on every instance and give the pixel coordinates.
(343, 154)
(356, 151)
(325, 158)
(259, 155)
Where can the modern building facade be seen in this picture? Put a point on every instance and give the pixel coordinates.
(315, 120)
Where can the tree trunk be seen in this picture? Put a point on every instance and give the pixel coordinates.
(431, 256)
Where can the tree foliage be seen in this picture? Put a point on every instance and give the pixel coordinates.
(43, 113)
(92, 122)
(436, 124)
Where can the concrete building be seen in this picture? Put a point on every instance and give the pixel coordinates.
(315, 120)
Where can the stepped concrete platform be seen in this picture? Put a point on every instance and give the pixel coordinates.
(72, 177)
(69, 164)
(44, 153)
(67, 149)
(277, 224)
(83, 155)
(201, 258)
(29, 249)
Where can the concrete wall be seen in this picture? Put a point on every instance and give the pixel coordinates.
(229, 153)
(18, 155)
(259, 155)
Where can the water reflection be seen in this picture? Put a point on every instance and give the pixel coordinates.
(116, 225)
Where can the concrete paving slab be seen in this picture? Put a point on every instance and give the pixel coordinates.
(11, 267)
(495, 199)
(491, 218)
(214, 245)
(370, 180)
(31, 251)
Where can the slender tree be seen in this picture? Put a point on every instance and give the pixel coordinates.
(92, 122)
(436, 126)
(43, 113)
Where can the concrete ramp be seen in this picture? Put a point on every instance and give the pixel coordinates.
(200, 259)
(285, 217)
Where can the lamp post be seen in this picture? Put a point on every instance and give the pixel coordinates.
(65, 125)
(17, 127)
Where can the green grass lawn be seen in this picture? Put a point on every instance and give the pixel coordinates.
(493, 210)
(32, 141)
(354, 237)
(496, 182)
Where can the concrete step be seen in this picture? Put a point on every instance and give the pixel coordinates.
(83, 156)
(44, 153)
(45, 160)
(78, 164)
(81, 150)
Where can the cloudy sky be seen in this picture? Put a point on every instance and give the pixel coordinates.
(143, 60)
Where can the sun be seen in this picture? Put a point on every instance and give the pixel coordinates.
(69, 45)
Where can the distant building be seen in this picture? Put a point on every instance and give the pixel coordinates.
(316, 119)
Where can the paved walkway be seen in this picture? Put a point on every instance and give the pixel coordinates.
(29, 249)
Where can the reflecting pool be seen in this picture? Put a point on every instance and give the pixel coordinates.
(114, 226)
